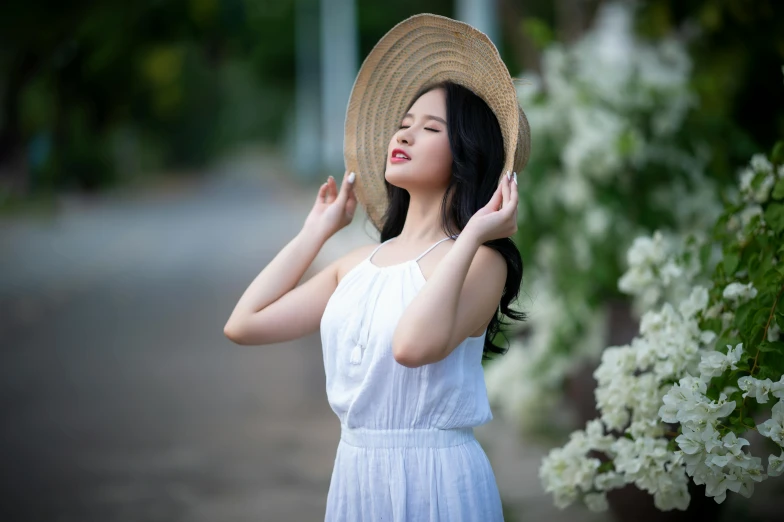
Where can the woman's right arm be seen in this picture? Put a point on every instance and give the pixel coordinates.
(273, 309)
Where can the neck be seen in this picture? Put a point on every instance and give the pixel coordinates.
(423, 219)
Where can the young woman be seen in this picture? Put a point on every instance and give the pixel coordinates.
(405, 324)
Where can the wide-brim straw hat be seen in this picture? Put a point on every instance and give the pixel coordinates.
(417, 52)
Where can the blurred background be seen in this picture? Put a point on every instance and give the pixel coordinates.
(156, 155)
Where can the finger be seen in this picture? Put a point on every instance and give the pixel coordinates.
(513, 196)
(351, 205)
(345, 188)
(322, 193)
(331, 190)
(496, 199)
(505, 191)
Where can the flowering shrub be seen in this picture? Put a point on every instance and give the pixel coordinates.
(705, 369)
(607, 164)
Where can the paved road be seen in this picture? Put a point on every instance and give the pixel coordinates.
(122, 401)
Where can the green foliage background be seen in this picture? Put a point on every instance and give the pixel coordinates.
(91, 92)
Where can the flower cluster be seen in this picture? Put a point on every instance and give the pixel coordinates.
(676, 402)
(607, 165)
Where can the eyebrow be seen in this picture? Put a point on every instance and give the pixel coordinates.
(427, 117)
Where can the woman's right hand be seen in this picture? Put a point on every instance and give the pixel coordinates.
(332, 210)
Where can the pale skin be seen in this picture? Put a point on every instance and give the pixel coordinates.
(464, 278)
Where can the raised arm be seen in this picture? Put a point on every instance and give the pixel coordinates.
(273, 308)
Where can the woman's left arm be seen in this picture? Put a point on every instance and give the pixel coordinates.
(465, 288)
(459, 297)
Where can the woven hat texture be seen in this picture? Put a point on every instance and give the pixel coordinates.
(417, 52)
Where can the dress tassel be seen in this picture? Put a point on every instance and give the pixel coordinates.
(356, 355)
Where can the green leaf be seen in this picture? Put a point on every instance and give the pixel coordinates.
(731, 263)
(538, 31)
(606, 466)
(767, 372)
(742, 313)
(705, 252)
(774, 217)
(761, 317)
(777, 156)
(776, 346)
(749, 422)
(778, 189)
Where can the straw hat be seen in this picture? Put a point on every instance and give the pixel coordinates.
(419, 51)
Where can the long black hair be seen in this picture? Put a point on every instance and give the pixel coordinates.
(477, 160)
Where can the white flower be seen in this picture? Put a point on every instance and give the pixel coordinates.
(760, 163)
(748, 213)
(746, 177)
(756, 387)
(774, 332)
(777, 390)
(713, 311)
(597, 221)
(716, 363)
(566, 472)
(739, 292)
(596, 502)
(609, 480)
(773, 428)
(509, 387)
(647, 250)
(775, 465)
(696, 302)
(762, 193)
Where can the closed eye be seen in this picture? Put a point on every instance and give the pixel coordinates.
(426, 128)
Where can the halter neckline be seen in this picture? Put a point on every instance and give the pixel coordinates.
(403, 263)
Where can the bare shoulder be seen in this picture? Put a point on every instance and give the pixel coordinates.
(486, 260)
(350, 260)
(491, 260)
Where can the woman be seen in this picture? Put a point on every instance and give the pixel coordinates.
(404, 327)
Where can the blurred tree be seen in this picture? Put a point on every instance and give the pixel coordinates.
(738, 52)
(376, 18)
(91, 90)
(532, 25)
(74, 73)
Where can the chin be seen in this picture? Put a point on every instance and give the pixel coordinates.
(393, 174)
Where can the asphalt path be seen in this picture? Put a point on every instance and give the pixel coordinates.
(120, 397)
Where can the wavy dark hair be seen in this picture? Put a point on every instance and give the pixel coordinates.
(477, 160)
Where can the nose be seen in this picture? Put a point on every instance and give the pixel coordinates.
(404, 136)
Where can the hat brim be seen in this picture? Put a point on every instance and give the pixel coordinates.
(420, 51)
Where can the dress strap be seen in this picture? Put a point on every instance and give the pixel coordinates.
(379, 246)
(435, 245)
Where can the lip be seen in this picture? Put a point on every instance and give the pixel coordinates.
(393, 159)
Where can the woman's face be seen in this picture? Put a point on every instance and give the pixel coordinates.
(422, 139)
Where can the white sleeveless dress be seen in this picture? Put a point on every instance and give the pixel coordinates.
(407, 451)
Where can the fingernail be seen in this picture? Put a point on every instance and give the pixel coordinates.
(508, 176)
(515, 178)
(351, 178)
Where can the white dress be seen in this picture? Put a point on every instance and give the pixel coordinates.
(407, 451)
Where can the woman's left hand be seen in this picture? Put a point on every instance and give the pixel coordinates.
(497, 219)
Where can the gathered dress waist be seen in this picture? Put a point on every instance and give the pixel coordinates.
(406, 438)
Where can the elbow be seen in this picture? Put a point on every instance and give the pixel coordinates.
(410, 357)
(233, 333)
